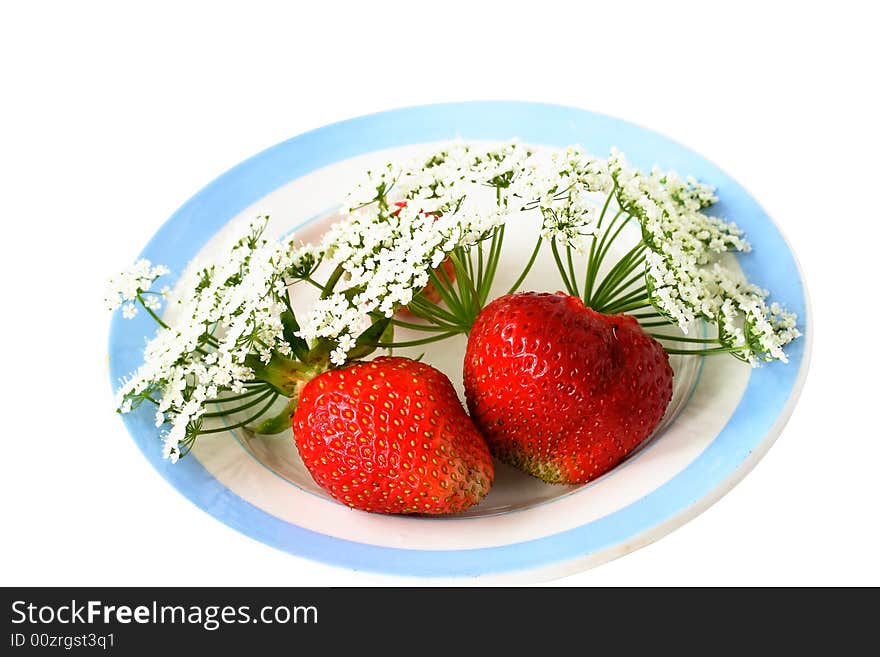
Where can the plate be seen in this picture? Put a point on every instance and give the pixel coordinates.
(723, 418)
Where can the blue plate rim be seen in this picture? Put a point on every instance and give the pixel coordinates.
(769, 397)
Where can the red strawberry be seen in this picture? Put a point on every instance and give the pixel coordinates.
(559, 390)
(391, 436)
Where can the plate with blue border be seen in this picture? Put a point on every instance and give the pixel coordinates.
(723, 418)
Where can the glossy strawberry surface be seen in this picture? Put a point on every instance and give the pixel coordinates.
(560, 391)
(391, 436)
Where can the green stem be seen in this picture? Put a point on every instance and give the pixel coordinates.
(560, 267)
(614, 310)
(571, 270)
(253, 391)
(310, 280)
(703, 352)
(447, 294)
(480, 265)
(416, 343)
(243, 407)
(331, 282)
(152, 314)
(630, 296)
(243, 422)
(592, 263)
(492, 266)
(675, 338)
(431, 311)
(605, 245)
(621, 269)
(528, 267)
(433, 328)
(608, 296)
(466, 288)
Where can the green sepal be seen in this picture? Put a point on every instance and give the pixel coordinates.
(280, 422)
(285, 375)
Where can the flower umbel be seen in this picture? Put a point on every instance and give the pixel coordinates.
(225, 323)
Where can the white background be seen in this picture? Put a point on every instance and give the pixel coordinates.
(113, 116)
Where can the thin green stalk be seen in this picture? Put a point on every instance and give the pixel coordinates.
(605, 207)
(621, 268)
(468, 261)
(331, 282)
(601, 252)
(592, 261)
(675, 338)
(485, 285)
(608, 296)
(614, 310)
(152, 314)
(606, 244)
(466, 285)
(528, 267)
(416, 343)
(448, 295)
(654, 324)
(431, 328)
(429, 310)
(480, 265)
(571, 270)
(243, 422)
(560, 267)
(244, 395)
(629, 297)
(703, 352)
(311, 281)
(243, 407)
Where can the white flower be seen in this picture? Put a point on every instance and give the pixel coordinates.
(227, 312)
(127, 285)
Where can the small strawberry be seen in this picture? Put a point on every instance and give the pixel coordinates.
(391, 436)
(560, 391)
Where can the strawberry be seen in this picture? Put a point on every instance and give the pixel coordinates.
(391, 436)
(560, 391)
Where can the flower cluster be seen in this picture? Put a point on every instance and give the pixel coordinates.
(133, 285)
(685, 279)
(224, 318)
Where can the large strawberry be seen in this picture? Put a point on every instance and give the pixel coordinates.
(560, 391)
(391, 436)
